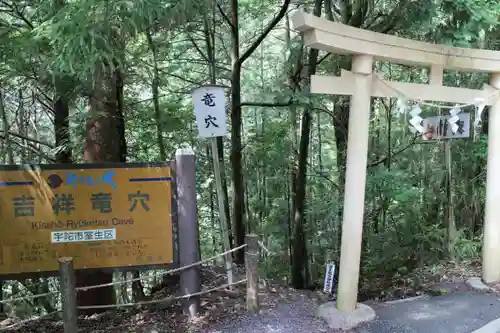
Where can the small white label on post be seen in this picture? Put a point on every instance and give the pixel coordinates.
(329, 276)
(73, 236)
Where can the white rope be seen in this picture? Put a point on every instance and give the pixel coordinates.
(265, 248)
(110, 306)
(168, 299)
(28, 297)
(124, 281)
(166, 273)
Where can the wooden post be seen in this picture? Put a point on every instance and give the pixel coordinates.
(68, 294)
(355, 181)
(491, 238)
(187, 217)
(252, 272)
(228, 260)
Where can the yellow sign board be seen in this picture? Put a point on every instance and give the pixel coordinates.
(102, 217)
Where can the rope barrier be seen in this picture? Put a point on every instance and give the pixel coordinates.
(24, 298)
(27, 297)
(164, 300)
(124, 281)
(175, 270)
(110, 306)
(262, 246)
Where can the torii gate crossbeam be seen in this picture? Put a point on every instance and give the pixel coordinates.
(367, 46)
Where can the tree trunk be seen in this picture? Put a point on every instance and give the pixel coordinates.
(105, 142)
(156, 97)
(292, 171)
(6, 129)
(61, 129)
(238, 201)
(299, 254)
(450, 204)
(22, 126)
(137, 288)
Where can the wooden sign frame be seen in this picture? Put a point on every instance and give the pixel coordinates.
(90, 166)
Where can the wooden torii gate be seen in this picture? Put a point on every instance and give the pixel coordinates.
(367, 46)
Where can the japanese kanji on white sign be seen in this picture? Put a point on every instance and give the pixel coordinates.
(438, 127)
(329, 276)
(210, 109)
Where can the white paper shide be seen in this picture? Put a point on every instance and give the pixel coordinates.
(210, 109)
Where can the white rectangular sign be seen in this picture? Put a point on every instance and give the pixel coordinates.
(438, 127)
(329, 277)
(210, 109)
(73, 236)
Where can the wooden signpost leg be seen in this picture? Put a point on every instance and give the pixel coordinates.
(189, 251)
(68, 294)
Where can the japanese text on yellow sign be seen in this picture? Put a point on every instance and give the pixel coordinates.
(103, 218)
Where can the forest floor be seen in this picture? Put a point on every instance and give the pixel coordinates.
(283, 309)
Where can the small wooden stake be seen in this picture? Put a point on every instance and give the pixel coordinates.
(252, 272)
(68, 294)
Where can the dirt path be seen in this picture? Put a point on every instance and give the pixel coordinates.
(293, 316)
(285, 310)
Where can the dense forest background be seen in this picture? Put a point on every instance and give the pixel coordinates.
(87, 80)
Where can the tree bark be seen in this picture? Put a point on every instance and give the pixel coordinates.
(299, 255)
(105, 142)
(61, 129)
(6, 129)
(156, 97)
(238, 199)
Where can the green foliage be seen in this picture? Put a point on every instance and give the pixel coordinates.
(55, 47)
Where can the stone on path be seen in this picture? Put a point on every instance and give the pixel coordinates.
(337, 319)
(477, 284)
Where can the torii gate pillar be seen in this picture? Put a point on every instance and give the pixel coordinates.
(491, 241)
(355, 181)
